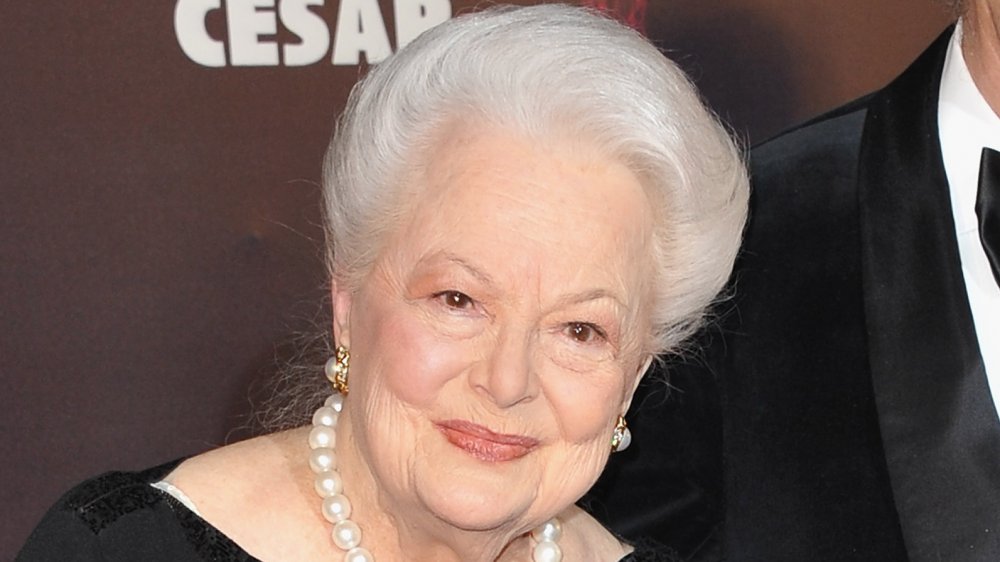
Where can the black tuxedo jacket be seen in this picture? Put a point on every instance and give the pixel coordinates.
(858, 423)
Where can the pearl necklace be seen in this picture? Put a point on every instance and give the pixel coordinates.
(337, 508)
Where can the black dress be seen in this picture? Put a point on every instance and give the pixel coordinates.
(119, 516)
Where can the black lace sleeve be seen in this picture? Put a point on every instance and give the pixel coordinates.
(118, 516)
(73, 528)
(61, 536)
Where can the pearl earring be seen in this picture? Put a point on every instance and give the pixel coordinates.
(621, 438)
(337, 368)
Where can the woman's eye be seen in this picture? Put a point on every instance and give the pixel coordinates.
(584, 332)
(455, 299)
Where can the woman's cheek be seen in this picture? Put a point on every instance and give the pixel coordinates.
(417, 360)
(586, 407)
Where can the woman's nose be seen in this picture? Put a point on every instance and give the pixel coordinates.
(508, 376)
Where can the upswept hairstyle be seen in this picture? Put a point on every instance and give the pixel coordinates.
(548, 71)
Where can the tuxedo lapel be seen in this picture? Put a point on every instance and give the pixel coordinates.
(938, 423)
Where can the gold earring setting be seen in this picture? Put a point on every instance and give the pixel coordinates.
(621, 438)
(337, 368)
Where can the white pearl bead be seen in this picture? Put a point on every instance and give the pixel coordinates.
(546, 551)
(335, 401)
(626, 440)
(330, 368)
(551, 530)
(336, 508)
(321, 460)
(325, 416)
(329, 483)
(358, 554)
(346, 534)
(322, 437)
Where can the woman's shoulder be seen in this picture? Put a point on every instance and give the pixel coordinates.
(226, 482)
(258, 493)
(588, 539)
(240, 463)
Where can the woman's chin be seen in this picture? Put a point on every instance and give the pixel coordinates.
(475, 502)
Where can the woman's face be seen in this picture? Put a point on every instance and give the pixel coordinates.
(499, 335)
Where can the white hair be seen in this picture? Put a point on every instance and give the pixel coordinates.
(547, 71)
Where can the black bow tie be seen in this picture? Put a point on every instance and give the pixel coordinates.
(988, 207)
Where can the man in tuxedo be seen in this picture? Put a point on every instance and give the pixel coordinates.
(861, 365)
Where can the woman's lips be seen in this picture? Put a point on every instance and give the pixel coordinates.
(484, 444)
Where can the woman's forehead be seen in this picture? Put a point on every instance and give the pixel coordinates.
(538, 206)
(557, 174)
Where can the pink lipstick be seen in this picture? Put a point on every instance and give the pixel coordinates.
(484, 444)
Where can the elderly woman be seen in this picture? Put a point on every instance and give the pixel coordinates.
(525, 207)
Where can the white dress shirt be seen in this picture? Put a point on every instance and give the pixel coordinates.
(967, 124)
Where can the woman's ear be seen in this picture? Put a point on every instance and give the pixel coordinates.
(640, 373)
(341, 299)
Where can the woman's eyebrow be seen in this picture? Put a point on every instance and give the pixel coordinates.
(591, 295)
(454, 259)
(485, 278)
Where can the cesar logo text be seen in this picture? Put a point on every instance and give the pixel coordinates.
(252, 38)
